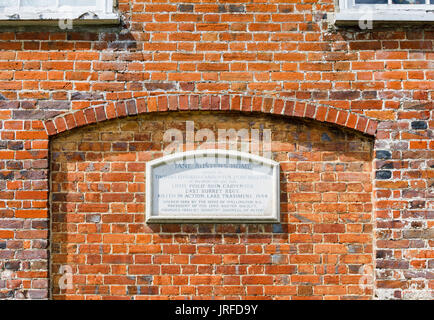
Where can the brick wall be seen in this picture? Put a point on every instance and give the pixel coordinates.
(270, 57)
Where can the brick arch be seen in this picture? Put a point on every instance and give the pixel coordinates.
(195, 102)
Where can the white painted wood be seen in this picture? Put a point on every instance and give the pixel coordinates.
(22, 10)
(352, 16)
(350, 13)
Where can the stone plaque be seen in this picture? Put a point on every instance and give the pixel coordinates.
(212, 186)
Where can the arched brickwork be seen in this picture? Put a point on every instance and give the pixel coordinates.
(98, 229)
(244, 103)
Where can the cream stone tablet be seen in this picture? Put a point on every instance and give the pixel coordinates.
(212, 186)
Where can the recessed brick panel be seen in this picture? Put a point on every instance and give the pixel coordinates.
(98, 203)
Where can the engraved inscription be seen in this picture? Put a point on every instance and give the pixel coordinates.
(213, 186)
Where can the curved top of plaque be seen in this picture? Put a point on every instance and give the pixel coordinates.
(212, 186)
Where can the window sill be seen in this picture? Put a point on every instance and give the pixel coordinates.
(52, 19)
(352, 17)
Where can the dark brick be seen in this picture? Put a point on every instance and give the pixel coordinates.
(4, 104)
(415, 105)
(40, 244)
(382, 254)
(33, 175)
(236, 8)
(37, 294)
(16, 165)
(185, 8)
(6, 175)
(410, 193)
(369, 95)
(120, 146)
(392, 264)
(222, 8)
(15, 145)
(131, 107)
(50, 114)
(15, 244)
(164, 86)
(344, 95)
(39, 164)
(28, 104)
(11, 224)
(387, 165)
(383, 154)
(31, 254)
(277, 228)
(86, 96)
(39, 224)
(419, 125)
(383, 174)
(419, 234)
(54, 105)
(28, 114)
(417, 204)
(82, 36)
(325, 137)
(148, 290)
(122, 45)
(12, 265)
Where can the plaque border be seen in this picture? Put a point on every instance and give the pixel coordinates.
(207, 218)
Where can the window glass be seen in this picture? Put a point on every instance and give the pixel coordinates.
(78, 3)
(408, 1)
(8, 3)
(38, 3)
(371, 1)
(393, 1)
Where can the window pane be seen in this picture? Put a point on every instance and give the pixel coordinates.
(8, 3)
(78, 3)
(393, 1)
(371, 1)
(408, 1)
(38, 3)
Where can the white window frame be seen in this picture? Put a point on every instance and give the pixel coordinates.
(348, 12)
(102, 13)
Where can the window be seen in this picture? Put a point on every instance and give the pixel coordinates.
(385, 11)
(19, 11)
